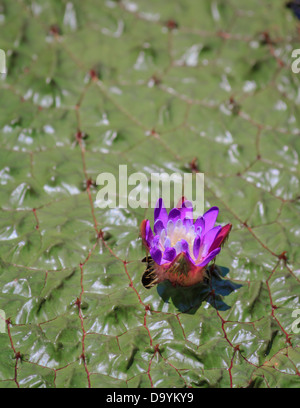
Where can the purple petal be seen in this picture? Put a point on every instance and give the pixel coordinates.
(185, 249)
(210, 218)
(187, 222)
(170, 227)
(199, 231)
(174, 214)
(169, 254)
(160, 212)
(155, 241)
(210, 257)
(184, 245)
(158, 226)
(178, 223)
(186, 210)
(167, 243)
(200, 223)
(156, 255)
(209, 238)
(148, 233)
(196, 247)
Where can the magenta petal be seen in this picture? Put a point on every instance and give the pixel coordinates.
(184, 245)
(148, 234)
(174, 214)
(200, 223)
(186, 251)
(169, 254)
(209, 238)
(158, 226)
(199, 231)
(187, 222)
(210, 218)
(211, 256)
(197, 243)
(186, 210)
(167, 243)
(160, 212)
(155, 241)
(156, 255)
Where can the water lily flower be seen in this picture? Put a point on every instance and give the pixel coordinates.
(181, 248)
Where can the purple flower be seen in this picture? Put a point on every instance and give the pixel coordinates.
(180, 248)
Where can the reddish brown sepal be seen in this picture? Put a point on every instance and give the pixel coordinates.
(221, 237)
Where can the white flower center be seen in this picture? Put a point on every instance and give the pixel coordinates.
(175, 233)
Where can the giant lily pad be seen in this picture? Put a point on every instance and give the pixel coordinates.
(161, 87)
